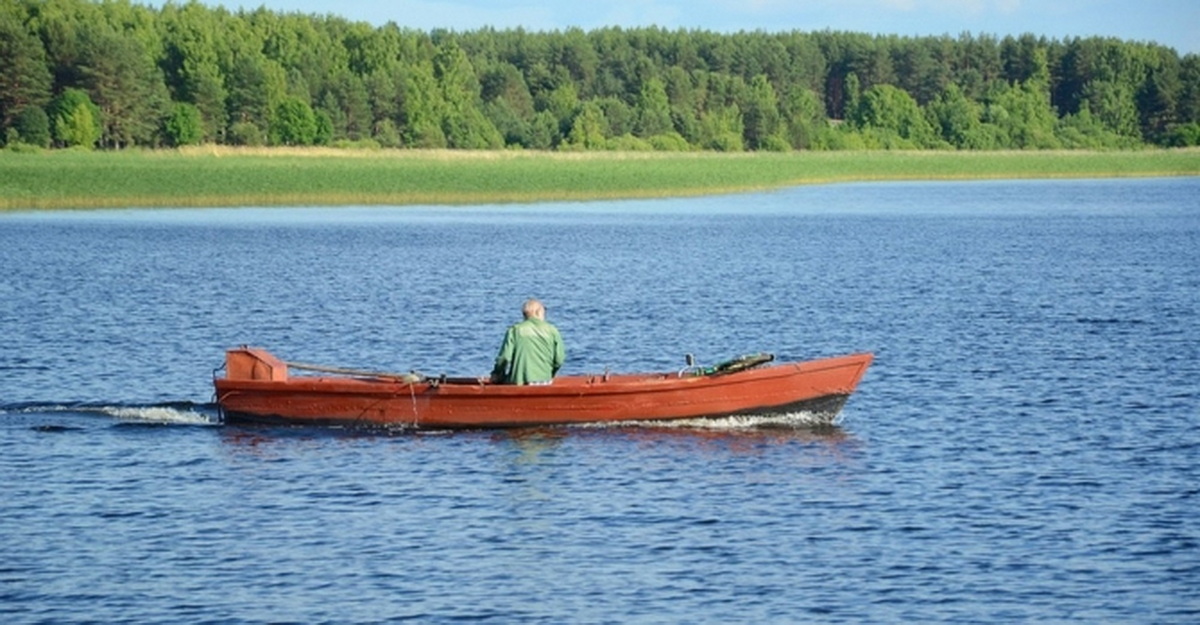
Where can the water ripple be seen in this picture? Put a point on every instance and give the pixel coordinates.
(1025, 447)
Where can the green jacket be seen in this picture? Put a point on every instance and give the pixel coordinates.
(532, 352)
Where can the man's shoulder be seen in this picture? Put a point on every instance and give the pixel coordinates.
(535, 325)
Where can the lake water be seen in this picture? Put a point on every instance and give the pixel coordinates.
(1026, 446)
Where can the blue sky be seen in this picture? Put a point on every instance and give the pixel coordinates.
(1175, 23)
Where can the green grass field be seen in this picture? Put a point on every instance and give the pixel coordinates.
(286, 177)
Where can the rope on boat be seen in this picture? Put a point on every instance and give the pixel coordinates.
(409, 377)
(412, 393)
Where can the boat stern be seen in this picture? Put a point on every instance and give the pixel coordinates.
(252, 363)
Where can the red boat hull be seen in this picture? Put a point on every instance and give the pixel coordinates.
(257, 387)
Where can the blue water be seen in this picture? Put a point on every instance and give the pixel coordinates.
(1026, 446)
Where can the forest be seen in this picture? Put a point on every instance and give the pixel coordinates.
(114, 74)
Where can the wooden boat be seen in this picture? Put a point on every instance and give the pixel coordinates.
(257, 386)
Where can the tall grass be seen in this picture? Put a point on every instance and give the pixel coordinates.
(264, 177)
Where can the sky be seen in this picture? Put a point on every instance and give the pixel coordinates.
(1174, 23)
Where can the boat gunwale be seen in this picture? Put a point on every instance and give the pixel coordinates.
(570, 386)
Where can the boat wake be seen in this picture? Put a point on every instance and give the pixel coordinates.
(162, 415)
(788, 420)
(183, 413)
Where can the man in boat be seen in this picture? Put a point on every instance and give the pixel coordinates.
(532, 352)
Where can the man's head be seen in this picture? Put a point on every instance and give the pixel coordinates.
(533, 309)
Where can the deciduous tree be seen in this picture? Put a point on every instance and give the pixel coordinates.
(185, 125)
(293, 123)
(75, 121)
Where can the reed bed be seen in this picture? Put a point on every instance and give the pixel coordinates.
(221, 176)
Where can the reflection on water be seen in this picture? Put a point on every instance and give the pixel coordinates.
(531, 443)
(534, 442)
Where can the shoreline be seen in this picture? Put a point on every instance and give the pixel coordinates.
(219, 176)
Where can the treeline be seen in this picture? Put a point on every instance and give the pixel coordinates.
(115, 74)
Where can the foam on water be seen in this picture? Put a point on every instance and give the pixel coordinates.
(163, 414)
(802, 419)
